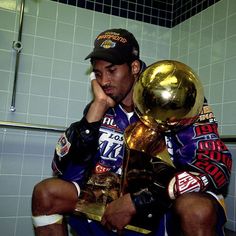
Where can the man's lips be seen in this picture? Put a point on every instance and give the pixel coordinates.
(108, 90)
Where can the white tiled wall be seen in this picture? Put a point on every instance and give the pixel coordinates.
(207, 43)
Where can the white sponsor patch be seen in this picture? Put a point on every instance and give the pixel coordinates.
(62, 146)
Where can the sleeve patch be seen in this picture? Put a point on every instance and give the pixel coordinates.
(62, 146)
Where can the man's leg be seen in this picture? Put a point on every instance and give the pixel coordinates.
(52, 198)
(197, 213)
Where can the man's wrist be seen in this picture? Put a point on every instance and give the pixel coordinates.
(96, 111)
(141, 200)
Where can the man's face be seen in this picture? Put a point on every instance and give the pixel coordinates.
(115, 80)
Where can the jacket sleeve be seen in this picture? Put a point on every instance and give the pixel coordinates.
(212, 158)
(75, 150)
(201, 150)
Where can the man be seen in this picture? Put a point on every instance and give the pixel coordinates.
(95, 145)
(116, 66)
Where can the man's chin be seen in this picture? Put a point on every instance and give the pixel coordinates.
(115, 98)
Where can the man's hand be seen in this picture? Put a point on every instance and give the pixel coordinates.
(100, 96)
(101, 102)
(118, 213)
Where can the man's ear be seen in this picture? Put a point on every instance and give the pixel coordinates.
(135, 67)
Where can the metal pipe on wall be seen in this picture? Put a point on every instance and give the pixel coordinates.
(17, 46)
(38, 127)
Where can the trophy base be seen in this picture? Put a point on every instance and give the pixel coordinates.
(94, 211)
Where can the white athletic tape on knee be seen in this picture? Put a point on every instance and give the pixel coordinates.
(77, 187)
(47, 220)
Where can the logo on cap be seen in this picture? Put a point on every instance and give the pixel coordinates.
(108, 44)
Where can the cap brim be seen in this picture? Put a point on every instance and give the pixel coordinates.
(107, 55)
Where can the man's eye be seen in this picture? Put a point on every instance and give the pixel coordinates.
(112, 70)
(97, 75)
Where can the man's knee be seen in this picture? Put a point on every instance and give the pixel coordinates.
(196, 207)
(42, 197)
(53, 196)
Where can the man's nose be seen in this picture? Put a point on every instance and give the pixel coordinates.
(105, 79)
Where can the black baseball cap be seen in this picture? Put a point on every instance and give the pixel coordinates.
(117, 46)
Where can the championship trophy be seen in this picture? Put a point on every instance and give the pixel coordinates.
(167, 96)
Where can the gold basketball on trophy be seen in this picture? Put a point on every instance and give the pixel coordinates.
(168, 95)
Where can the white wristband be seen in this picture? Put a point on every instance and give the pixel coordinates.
(92, 76)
